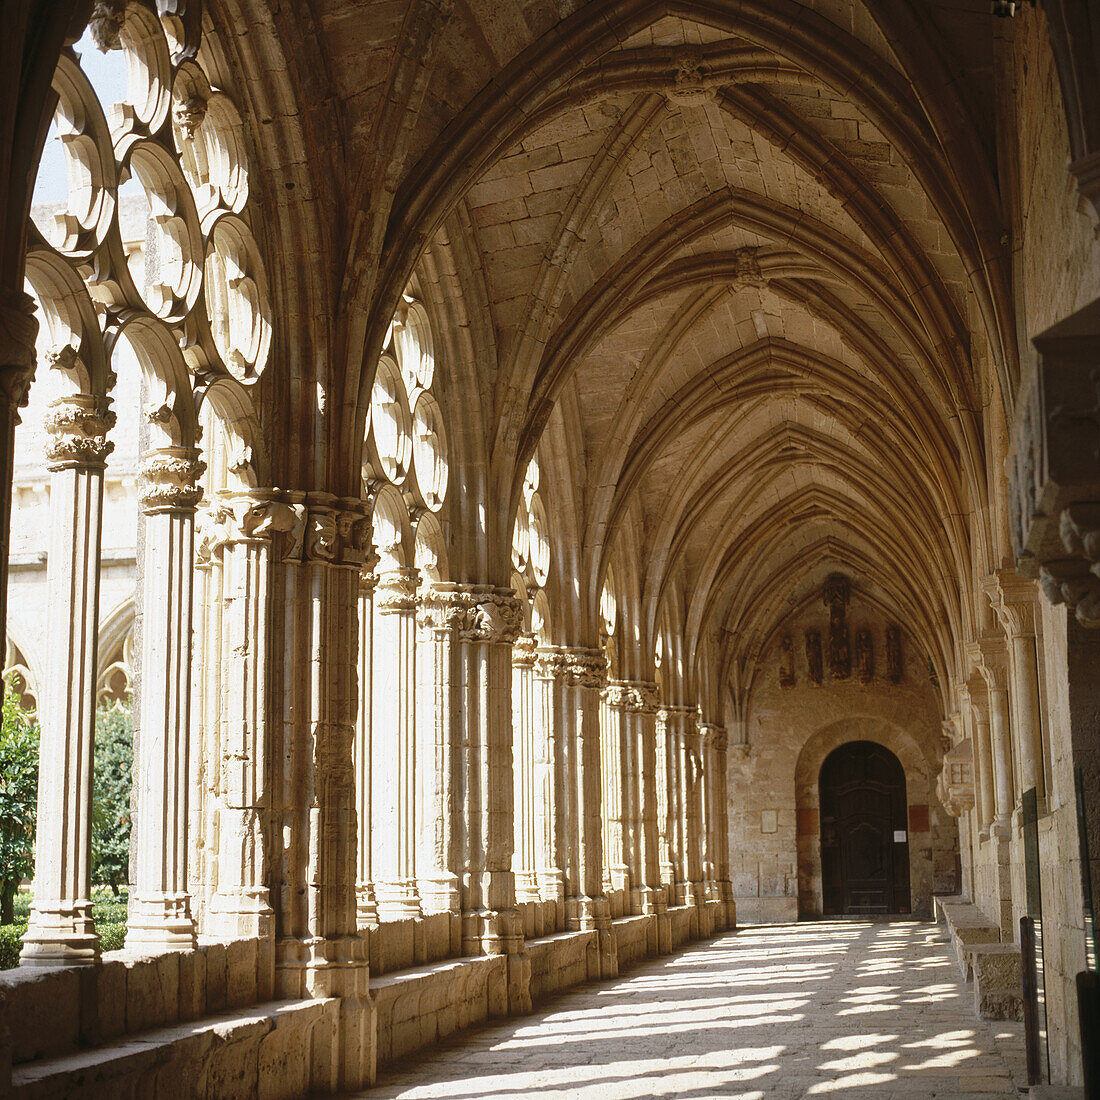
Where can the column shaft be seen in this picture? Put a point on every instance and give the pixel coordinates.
(438, 861)
(366, 906)
(551, 877)
(60, 929)
(394, 814)
(160, 915)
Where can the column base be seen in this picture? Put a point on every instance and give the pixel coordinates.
(397, 900)
(492, 932)
(62, 936)
(527, 886)
(240, 915)
(336, 966)
(440, 895)
(160, 922)
(585, 914)
(366, 907)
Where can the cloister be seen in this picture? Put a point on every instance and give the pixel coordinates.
(583, 478)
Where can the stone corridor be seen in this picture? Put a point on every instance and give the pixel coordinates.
(837, 1008)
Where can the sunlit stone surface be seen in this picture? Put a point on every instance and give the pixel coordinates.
(836, 1008)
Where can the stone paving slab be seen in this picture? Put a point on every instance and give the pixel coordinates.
(840, 1009)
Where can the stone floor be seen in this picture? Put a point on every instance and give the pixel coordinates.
(839, 1008)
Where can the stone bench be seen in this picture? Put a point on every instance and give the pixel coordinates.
(998, 980)
(967, 926)
(255, 1053)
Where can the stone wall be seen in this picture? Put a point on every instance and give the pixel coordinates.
(773, 780)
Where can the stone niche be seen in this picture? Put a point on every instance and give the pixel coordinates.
(860, 678)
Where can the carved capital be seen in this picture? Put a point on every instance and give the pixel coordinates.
(642, 696)
(989, 656)
(76, 431)
(476, 612)
(524, 650)
(255, 516)
(575, 666)
(325, 530)
(1014, 601)
(170, 480)
(18, 329)
(398, 590)
(714, 736)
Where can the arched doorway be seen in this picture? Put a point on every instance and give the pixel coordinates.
(864, 837)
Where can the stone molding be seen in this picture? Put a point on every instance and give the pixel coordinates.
(170, 480)
(476, 612)
(575, 666)
(76, 429)
(18, 329)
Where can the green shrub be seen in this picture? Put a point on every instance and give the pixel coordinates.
(114, 759)
(18, 800)
(10, 944)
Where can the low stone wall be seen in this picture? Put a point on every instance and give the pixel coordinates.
(561, 961)
(636, 940)
(416, 1008)
(49, 1012)
(203, 1022)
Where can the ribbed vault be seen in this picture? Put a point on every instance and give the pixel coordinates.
(733, 270)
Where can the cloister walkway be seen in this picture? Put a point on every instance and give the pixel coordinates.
(837, 1008)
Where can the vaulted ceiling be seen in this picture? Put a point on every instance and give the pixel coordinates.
(738, 268)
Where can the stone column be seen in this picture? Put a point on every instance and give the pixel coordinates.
(708, 732)
(1015, 602)
(438, 860)
(525, 862)
(650, 897)
(720, 785)
(18, 329)
(240, 905)
(488, 619)
(366, 905)
(614, 743)
(693, 813)
(994, 670)
(993, 666)
(60, 930)
(666, 832)
(393, 767)
(583, 673)
(318, 950)
(975, 713)
(683, 736)
(551, 770)
(206, 700)
(160, 915)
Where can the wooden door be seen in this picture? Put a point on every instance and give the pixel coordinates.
(864, 831)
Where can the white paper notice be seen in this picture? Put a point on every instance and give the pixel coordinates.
(899, 836)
